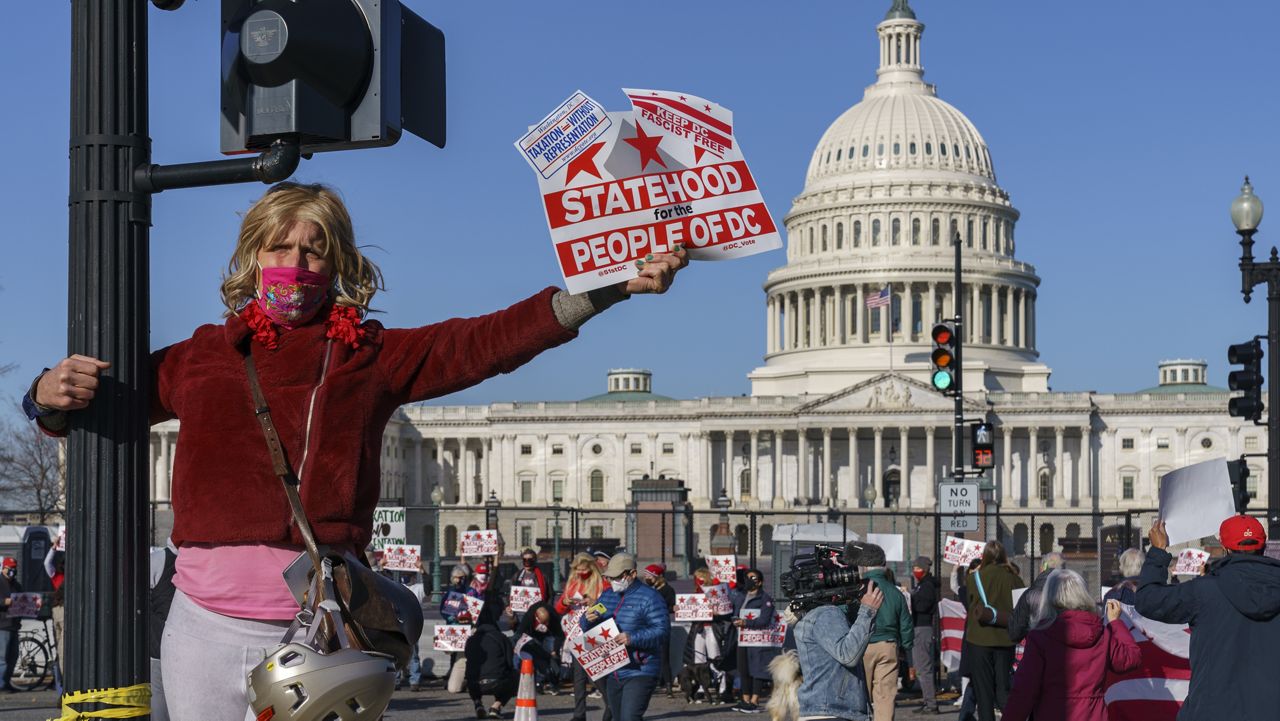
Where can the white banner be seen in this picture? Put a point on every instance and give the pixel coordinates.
(25, 605)
(401, 558)
(723, 568)
(388, 527)
(474, 606)
(523, 598)
(599, 651)
(1195, 500)
(719, 599)
(961, 551)
(771, 637)
(451, 638)
(480, 543)
(692, 607)
(1190, 562)
(890, 542)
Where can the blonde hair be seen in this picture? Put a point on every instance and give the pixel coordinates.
(355, 278)
(702, 575)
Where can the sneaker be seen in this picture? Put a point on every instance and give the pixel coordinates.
(552, 689)
(740, 706)
(480, 712)
(595, 693)
(495, 713)
(752, 708)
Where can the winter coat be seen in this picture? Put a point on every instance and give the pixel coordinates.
(1234, 614)
(893, 621)
(830, 651)
(998, 582)
(531, 577)
(640, 613)
(224, 488)
(1062, 674)
(1125, 592)
(924, 600)
(488, 653)
(1026, 607)
(761, 608)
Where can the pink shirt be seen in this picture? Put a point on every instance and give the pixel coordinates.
(238, 579)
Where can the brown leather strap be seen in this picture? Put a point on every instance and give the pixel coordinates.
(281, 464)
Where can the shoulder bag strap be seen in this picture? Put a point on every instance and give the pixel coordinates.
(280, 464)
(982, 592)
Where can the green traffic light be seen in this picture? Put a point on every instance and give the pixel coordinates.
(942, 380)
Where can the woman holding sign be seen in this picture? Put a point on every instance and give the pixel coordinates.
(753, 610)
(297, 292)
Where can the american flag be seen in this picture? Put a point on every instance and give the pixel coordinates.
(880, 300)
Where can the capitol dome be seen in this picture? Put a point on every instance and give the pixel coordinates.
(870, 256)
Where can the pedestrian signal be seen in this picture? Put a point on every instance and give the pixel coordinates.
(329, 74)
(944, 357)
(983, 443)
(1247, 379)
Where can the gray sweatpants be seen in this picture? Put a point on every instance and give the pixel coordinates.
(205, 658)
(925, 658)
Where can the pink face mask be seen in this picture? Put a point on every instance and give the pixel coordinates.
(291, 296)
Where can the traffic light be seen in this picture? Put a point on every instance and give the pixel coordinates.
(1248, 379)
(983, 444)
(1238, 471)
(944, 357)
(331, 74)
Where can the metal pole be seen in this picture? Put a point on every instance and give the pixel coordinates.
(1273, 406)
(555, 569)
(108, 312)
(752, 515)
(957, 440)
(662, 532)
(436, 591)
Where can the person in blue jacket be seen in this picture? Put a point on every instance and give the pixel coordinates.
(1234, 614)
(644, 628)
(752, 609)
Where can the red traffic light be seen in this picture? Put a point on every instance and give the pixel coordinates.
(943, 334)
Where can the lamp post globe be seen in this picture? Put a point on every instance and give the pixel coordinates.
(869, 495)
(1246, 209)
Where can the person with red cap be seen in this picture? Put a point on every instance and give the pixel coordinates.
(8, 624)
(1234, 615)
(655, 577)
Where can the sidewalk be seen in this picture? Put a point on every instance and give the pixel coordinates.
(434, 704)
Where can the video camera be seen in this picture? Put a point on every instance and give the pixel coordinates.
(828, 576)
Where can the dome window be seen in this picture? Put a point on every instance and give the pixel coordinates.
(857, 233)
(839, 236)
(824, 237)
(897, 148)
(896, 232)
(966, 153)
(875, 233)
(955, 151)
(943, 149)
(915, 231)
(879, 149)
(912, 148)
(829, 156)
(866, 149)
(928, 148)
(851, 153)
(935, 232)
(838, 151)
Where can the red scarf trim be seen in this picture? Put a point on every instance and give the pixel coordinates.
(342, 325)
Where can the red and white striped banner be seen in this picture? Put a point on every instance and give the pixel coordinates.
(1156, 689)
(952, 614)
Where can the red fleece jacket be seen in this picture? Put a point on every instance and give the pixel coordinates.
(224, 490)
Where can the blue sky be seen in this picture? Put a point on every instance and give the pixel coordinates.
(1120, 130)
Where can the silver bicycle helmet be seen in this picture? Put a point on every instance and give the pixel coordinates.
(299, 683)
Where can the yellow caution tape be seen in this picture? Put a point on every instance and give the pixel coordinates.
(130, 702)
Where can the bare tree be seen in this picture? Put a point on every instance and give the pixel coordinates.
(32, 470)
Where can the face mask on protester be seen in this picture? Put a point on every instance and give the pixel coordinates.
(918, 573)
(541, 628)
(482, 578)
(584, 575)
(752, 584)
(529, 562)
(291, 296)
(620, 585)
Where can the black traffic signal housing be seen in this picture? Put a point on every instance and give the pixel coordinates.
(943, 358)
(330, 74)
(1239, 473)
(982, 440)
(1247, 379)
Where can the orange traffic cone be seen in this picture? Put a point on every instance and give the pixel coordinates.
(526, 697)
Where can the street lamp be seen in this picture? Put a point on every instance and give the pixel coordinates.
(1246, 215)
(723, 503)
(491, 507)
(437, 496)
(869, 495)
(555, 535)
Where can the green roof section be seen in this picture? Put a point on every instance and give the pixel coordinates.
(899, 11)
(626, 397)
(1171, 388)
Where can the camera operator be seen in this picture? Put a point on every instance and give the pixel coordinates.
(830, 652)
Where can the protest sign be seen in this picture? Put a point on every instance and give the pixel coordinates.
(1190, 562)
(454, 604)
(480, 543)
(25, 605)
(522, 642)
(1195, 500)
(474, 606)
(617, 186)
(571, 623)
(401, 558)
(769, 637)
(61, 543)
(599, 651)
(718, 598)
(961, 551)
(693, 607)
(1017, 594)
(890, 542)
(388, 527)
(723, 568)
(450, 638)
(523, 597)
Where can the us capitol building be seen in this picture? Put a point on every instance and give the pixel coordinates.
(842, 403)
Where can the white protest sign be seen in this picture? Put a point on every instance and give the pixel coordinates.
(523, 598)
(388, 527)
(1195, 500)
(599, 651)
(723, 568)
(719, 599)
(1017, 593)
(401, 557)
(961, 551)
(61, 543)
(1190, 562)
(522, 642)
(890, 542)
(474, 606)
(571, 623)
(479, 543)
(450, 638)
(772, 636)
(693, 607)
(618, 186)
(25, 605)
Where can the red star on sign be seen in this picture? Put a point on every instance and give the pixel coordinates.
(706, 107)
(584, 163)
(683, 97)
(591, 641)
(713, 593)
(751, 616)
(777, 618)
(647, 146)
(604, 633)
(578, 647)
